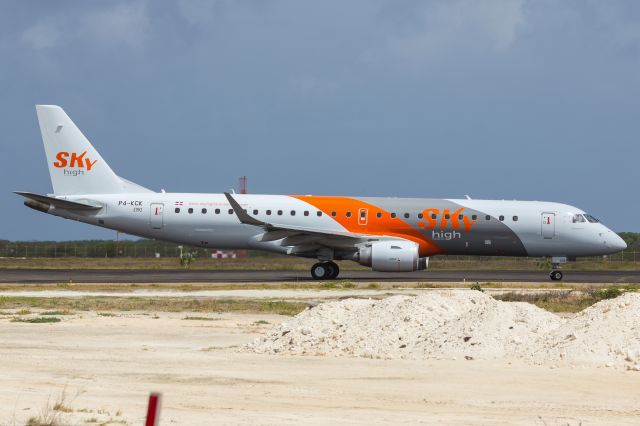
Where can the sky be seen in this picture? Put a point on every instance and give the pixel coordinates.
(504, 99)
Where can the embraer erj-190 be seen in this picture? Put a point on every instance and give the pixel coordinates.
(387, 234)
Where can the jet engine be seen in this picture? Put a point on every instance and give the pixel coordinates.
(391, 256)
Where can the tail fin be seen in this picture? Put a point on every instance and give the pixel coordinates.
(74, 164)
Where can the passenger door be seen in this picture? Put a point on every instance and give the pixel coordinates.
(156, 216)
(548, 225)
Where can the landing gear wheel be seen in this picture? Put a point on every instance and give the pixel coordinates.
(555, 275)
(320, 271)
(334, 270)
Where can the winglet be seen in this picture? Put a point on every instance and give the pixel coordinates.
(243, 215)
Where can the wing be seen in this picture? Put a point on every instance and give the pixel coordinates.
(304, 240)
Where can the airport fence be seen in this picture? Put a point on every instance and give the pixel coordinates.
(155, 249)
(90, 249)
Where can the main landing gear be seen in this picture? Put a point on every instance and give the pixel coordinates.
(325, 270)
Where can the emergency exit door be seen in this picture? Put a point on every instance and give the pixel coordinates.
(156, 217)
(548, 225)
(363, 216)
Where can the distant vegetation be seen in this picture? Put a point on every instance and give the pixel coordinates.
(632, 239)
(149, 248)
(152, 254)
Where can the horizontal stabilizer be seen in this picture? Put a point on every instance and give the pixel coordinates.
(60, 203)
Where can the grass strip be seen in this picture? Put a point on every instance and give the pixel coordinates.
(163, 304)
(37, 320)
(560, 301)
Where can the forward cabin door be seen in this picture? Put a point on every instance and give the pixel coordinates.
(156, 217)
(548, 225)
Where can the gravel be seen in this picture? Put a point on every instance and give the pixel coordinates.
(465, 325)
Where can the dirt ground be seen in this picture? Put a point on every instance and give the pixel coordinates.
(107, 365)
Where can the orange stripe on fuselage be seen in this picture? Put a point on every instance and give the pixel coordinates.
(385, 225)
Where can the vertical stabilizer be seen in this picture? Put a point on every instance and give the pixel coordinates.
(74, 164)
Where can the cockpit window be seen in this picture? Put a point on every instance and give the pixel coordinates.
(578, 218)
(591, 218)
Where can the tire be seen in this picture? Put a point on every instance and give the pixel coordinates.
(334, 270)
(555, 275)
(320, 271)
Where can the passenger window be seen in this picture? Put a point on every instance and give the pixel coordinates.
(348, 214)
(487, 217)
(433, 215)
(230, 211)
(268, 212)
(319, 213)
(474, 217)
(333, 214)
(204, 211)
(279, 212)
(515, 218)
(407, 215)
(446, 216)
(363, 214)
(177, 209)
(190, 210)
(379, 215)
(420, 216)
(217, 211)
(306, 212)
(255, 211)
(293, 212)
(393, 215)
(459, 217)
(501, 218)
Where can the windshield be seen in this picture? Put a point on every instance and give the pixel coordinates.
(578, 218)
(591, 218)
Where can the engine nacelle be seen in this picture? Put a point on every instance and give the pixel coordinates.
(392, 256)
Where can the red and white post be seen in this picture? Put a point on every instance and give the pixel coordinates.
(153, 410)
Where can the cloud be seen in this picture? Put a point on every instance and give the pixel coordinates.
(42, 35)
(123, 24)
(438, 27)
(198, 12)
(312, 87)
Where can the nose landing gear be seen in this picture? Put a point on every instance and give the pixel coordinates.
(325, 270)
(555, 275)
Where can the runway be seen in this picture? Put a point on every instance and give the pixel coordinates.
(252, 276)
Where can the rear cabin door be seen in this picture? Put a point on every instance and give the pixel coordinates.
(548, 225)
(156, 217)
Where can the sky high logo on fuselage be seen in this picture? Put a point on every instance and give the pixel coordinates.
(445, 224)
(74, 164)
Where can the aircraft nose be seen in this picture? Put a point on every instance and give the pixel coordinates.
(616, 243)
(619, 243)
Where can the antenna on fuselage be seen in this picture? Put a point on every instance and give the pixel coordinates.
(468, 198)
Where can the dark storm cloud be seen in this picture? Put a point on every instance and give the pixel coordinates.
(496, 99)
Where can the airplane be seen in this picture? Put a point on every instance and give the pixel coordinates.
(386, 234)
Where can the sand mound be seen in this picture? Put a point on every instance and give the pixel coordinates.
(447, 324)
(462, 324)
(607, 333)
